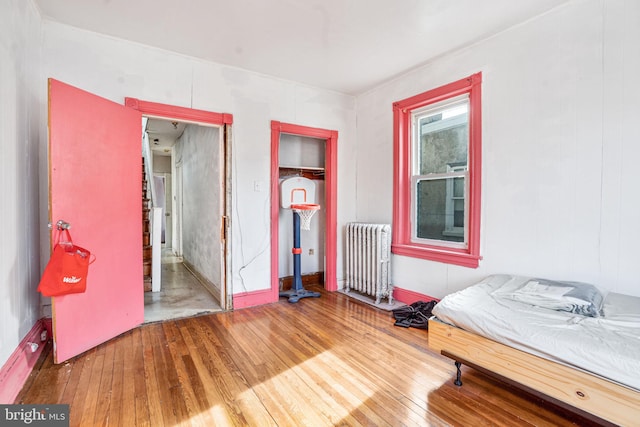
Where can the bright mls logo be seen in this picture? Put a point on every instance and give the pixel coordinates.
(72, 279)
(34, 415)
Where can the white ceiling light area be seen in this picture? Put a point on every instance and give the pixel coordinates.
(348, 46)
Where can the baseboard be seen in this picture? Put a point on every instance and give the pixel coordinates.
(409, 297)
(310, 279)
(213, 289)
(252, 299)
(15, 372)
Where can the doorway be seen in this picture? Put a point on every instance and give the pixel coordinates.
(188, 159)
(329, 169)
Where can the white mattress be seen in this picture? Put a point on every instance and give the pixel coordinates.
(608, 347)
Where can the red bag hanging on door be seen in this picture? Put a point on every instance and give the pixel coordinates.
(67, 270)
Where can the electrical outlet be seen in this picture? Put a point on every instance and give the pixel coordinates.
(257, 186)
(311, 251)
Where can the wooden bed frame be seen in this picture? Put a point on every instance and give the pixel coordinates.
(591, 396)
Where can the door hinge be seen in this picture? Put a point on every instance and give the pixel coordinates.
(223, 227)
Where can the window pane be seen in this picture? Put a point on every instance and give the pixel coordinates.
(458, 213)
(458, 187)
(443, 135)
(439, 215)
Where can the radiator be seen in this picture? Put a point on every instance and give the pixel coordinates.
(368, 258)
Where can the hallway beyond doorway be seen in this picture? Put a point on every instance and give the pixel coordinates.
(181, 294)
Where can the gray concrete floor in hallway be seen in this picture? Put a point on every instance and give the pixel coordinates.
(181, 294)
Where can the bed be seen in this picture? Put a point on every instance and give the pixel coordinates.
(565, 341)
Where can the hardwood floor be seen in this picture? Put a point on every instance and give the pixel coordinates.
(320, 362)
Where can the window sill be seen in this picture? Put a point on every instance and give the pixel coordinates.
(445, 255)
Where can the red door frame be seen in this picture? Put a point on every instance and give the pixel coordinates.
(331, 197)
(165, 111)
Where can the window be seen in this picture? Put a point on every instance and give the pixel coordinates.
(437, 156)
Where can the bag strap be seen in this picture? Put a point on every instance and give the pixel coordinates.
(59, 236)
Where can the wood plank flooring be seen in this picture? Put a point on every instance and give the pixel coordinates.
(321, 362)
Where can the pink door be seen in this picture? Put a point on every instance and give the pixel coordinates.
(95, 178)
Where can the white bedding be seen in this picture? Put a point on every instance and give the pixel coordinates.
(605, 346)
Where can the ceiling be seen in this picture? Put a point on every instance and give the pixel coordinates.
(163, 135)
(349, 46)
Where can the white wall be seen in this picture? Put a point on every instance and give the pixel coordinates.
(561, 143)
(198, 150)
(161, 164)
(20, 94)
(301, 151)
(116, 69)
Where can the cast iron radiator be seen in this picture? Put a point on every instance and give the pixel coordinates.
(368, 257)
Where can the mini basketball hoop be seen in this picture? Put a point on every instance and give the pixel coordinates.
(305, 211)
